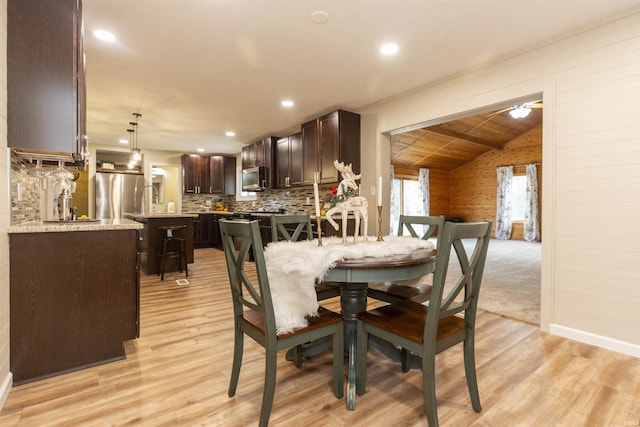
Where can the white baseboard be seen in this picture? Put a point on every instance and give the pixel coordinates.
(597, 340)
(5, 389)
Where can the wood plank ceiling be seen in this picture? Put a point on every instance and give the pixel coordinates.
(450, 145)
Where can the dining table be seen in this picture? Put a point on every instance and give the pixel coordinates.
(392, 259)
(354, 276)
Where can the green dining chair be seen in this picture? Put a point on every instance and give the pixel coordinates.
(449, 319)
(397, 291)
(254, 316)
(302, 223)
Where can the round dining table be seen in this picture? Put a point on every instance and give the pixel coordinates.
(354, 276)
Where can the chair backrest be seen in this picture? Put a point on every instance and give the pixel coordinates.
(470, 242)
(239, 238)
(279, 231)
(434, 225)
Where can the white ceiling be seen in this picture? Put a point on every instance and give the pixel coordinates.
(197, 68)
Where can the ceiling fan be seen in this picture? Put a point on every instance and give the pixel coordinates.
(520, 111)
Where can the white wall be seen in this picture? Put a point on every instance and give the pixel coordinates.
(5, 215)
(591, 183)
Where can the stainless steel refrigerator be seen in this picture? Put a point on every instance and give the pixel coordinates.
(117, 194)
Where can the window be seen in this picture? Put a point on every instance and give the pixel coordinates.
(405, 200)
(518, 197)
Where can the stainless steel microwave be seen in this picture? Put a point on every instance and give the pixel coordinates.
(254, 179)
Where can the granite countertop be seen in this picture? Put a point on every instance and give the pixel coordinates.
(79, 225)
(211, 212)
(152, 215)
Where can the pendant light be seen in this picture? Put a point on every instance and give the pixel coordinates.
(135, 151)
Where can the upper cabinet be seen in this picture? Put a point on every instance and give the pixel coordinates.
(338, 139)
(288, 160)
(222, 175)
(45, 77)
(208, 174)
(261, 153)
(309, 155)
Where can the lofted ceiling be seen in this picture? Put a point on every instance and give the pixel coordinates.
(195, 69)
(450, 145)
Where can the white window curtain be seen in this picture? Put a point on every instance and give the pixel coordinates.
(531, 227)
(395, 203)
(503, 203)
(423, 183)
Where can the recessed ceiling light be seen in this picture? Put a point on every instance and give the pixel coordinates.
(200, 150)
(319, 17)
(389, 48)
(287, 103)
(124, 141)
(105, 36)
(230, 133)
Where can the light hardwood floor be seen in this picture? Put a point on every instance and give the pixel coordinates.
(177, 374)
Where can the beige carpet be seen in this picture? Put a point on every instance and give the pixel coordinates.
(511, 280)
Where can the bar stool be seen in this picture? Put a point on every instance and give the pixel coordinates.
(172, 247)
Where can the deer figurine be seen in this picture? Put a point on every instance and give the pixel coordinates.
(358, 205)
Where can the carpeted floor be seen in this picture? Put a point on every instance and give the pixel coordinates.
(511, 280)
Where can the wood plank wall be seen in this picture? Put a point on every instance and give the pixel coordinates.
(472, 187)
(469, 192)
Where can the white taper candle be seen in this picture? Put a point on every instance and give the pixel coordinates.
(380, 190)
(316, 197)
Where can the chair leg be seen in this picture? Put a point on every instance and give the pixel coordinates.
(338, 362)
(269, 387)
(429, 387)
(162, 259)
(470, 371)
(238, 346)
(297, 356)
(405, 360)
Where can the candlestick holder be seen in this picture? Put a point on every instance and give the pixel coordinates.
(318, 220)
(380, 239)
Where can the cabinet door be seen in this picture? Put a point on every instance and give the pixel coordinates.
(248, 156)
(43, 75)
(309, 152)
(216, 175)
(283, 163)
(189, 173)
(296, 153)
(229, 175)
(195, 173)
(328, 148)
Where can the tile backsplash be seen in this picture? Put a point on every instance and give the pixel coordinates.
(292, 200)
(25, 195)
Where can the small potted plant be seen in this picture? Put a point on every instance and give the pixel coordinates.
(108, 164)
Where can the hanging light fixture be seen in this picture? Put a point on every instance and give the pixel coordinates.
(520, 111)
(132, 163)
(135, 151)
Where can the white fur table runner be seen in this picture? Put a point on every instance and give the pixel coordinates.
(293, 268)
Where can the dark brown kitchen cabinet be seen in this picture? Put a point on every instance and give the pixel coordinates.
(208, 174)
(74, 300)
(195, 173)
(338, 138)
(205, 230)
(309, 154)
(45, 77)
(222, 175)
(289, 161)
(261, 153)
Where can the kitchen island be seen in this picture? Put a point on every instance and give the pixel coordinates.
(74, 295)
(153, 233)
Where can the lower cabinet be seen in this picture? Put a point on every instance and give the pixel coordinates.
(207, 231)
(74, 299)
